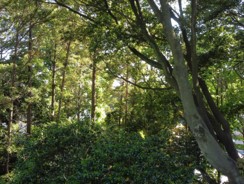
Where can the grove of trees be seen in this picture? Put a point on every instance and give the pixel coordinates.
(121, 91)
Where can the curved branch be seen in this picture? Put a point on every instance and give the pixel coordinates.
(74, 11)
(168, 70)
(137, 85)
(145, 58)
(110, 12)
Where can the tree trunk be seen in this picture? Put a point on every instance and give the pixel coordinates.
(194, 60)
(207, 143)
(29, 106)
(63, 79)
(10, 122)
(93, 97)
(224, 133)
(126, 96)
(53, 84)
(1, 53)
(78, 102)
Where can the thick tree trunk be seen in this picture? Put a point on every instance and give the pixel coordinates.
(215, 121)
(207, 143)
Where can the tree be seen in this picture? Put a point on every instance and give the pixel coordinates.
(63, 79)
(52, 76)
(93, 90)
(140, 24)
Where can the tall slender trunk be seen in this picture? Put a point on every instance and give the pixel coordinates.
(93, 97)
(29, 106)
(53, 86)
(194, 60)
(120, 116)
(63, 80)
(126, 95)
(10, 122)
(1, 52)
(78, 102)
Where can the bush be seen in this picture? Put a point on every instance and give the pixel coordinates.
(127, 158)
(52, 153)
(75, 153)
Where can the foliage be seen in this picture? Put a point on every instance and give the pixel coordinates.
(240, 165)
(51, 150)
(76, 153)
(38, 79)
(2, 150)
(152, 111)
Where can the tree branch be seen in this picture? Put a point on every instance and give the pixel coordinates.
(194, 61)
(228, 142)
(160, 57)
(74, 11)
(110, 12)
(145, 58)
(182, 25)
(137, 85)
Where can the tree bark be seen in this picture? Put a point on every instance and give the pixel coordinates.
(207, 143)
(216, 123)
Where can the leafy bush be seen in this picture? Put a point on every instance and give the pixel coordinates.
(52, 153)
(127, 158)
(3, 150)
(75, 153)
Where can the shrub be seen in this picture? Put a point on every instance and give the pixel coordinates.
(76, 153)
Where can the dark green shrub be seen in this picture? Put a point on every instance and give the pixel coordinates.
(127, 158)
(74, 153)
(53, 152)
